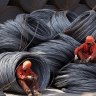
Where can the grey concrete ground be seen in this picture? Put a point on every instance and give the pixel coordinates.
(55, 92)
(47, 92)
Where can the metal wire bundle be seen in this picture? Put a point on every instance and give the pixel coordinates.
(9, 62)
(43, 14)
(55, 52)
(57, 21)
(77, 78)
(69, 40)
(82, 26)
(36, 29)
(19, 34)
(94, 35)
(12, 37)
(60, 21)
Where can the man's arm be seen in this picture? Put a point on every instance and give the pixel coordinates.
(20, 74)
(34, 76)
(93, 55)
(78, 49)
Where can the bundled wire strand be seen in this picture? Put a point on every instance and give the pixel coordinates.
(10, 37)
(29, 25)
(77, 78)
(24, 30)
(82, 26)
(57, 21)
(55, 52)
(9, 62)
(60, 20)
(68, 40)
(43, 14)
(94, 35)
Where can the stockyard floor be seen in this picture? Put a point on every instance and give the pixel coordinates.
(55, 92)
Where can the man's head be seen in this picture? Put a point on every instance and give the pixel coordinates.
(27, 64)
(89, 40)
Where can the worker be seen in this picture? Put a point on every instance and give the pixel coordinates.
(87, 51)
(27, 78)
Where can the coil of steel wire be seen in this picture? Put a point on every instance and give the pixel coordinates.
(56, 53)
(60, 21)
(68, 40)
(82, 26)
(77, 78)
(10, 61)
(18, 34)
(94, 35)
(12, 37)
(36, 29)
(57, 21)
(43, 14)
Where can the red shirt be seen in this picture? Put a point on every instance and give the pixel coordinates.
(22, 74)
(85, 49)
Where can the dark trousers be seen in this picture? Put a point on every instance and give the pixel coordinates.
(84, 56)
(26, 83)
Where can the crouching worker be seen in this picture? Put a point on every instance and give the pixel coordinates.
(87, 51)
(27, 78)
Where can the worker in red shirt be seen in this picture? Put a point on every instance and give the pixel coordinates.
(87, 51)
(27, 78)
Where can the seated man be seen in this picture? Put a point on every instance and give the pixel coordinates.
(27, 78)
(87, 51)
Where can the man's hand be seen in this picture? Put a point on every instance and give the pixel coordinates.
(76, 57)
(29, 77)
(88, 59)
